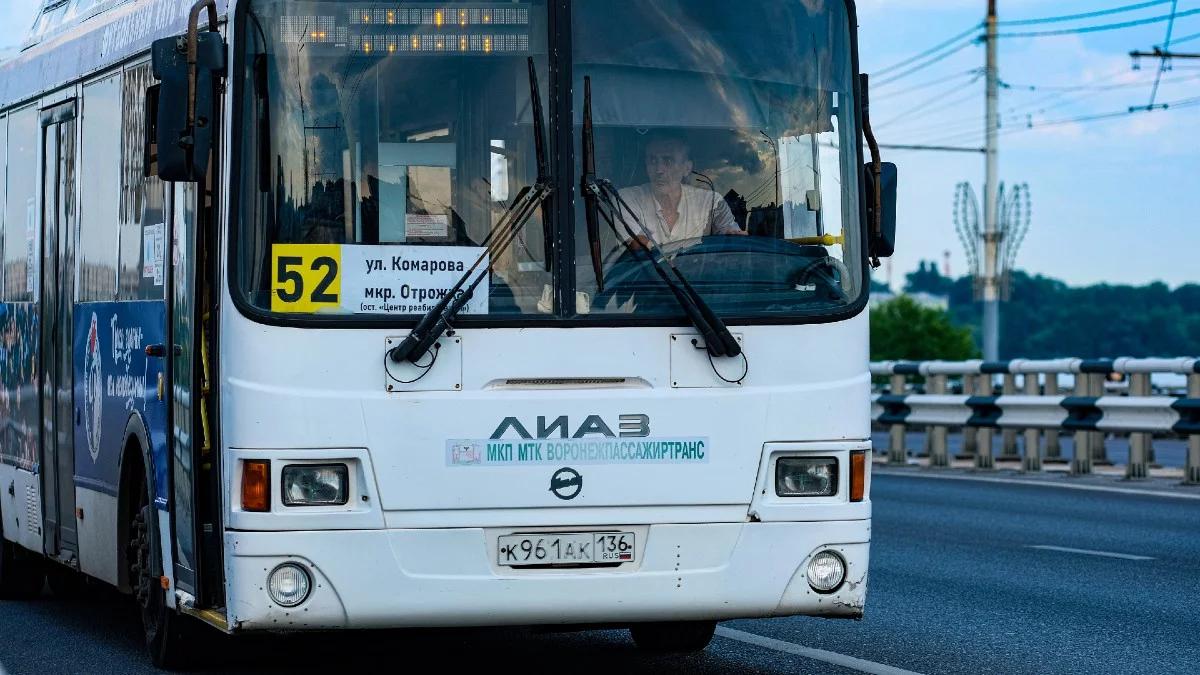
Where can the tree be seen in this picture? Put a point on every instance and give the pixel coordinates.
(902, 330)
(927, 279)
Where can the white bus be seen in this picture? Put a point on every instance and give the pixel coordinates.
(325, 314)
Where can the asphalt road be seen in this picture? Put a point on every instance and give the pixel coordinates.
(956, 587)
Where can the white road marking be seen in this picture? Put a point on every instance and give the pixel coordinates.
(878, 471)
(1084, 551)
(861, 665)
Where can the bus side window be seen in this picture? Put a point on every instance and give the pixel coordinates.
(100, 186)
(142, 208)
(21, 238)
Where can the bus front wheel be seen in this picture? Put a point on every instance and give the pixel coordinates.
(21, 576)
(169, 646)
(675, 636)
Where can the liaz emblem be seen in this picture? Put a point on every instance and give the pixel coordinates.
(566, 483)
(93, 391)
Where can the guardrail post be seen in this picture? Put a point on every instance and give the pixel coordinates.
(1192, 471)
(1008, 446)
(970, 435)
(1099, 438)
(1139, 442)
(1033, 450)
(896, 450)
(1081, 463)
(984, 459)
(1053, 446)
(938, 446)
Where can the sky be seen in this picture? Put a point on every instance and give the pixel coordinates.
(1114, 201)
(16, 16)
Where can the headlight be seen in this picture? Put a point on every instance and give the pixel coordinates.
(806, 476)
(288, 585)
(826, 571)
(315, 485)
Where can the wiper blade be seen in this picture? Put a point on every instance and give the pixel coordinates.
(543, 164)
(437, 320)
(718, 341)
(717, 338)
(586, 180)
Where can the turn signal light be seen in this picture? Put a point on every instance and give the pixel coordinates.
(858, 475)
(256, 485)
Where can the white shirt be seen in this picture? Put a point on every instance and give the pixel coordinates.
(701, 212)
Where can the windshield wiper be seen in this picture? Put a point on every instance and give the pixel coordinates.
(437, 320)
(718, 341)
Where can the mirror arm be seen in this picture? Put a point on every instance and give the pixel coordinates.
(876, 165)
(193, 55)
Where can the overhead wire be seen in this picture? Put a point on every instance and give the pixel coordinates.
(928, 52)
(1100, 27)
(1084, 15)
(1162, 64)
(935, 59)
(1186, 38)
(1098, 117)
(918, 87)
(938, 97)
(1018, 114)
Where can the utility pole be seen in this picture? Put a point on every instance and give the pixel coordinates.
(991, 236)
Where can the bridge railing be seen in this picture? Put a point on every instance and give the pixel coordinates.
(1040, 400)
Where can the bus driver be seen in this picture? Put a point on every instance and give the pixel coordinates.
(670, 209)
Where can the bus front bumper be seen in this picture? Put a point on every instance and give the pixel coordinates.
(451, 577)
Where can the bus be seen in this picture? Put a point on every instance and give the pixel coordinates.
(333, 314)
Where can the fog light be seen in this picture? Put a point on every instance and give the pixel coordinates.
(806, 476)
(288, 585)
(826, 571)
(315, 485)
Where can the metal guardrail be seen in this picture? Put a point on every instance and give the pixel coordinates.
(1039, 408)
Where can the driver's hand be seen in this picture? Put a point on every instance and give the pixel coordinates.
(639, 242)
(737, 233)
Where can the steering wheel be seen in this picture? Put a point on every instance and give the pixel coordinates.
(722, 258)
(840, 283)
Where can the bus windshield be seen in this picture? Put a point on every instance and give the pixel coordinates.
(381, 143)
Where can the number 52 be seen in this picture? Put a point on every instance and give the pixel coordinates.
(305, 277)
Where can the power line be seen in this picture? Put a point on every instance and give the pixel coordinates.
(1085, 15)
(932, 148)
(1017, 114)
(1186, 38)
(1085, 119)
(1101, 27)
(937, 58)
(940, 96)
(1162, 64)
(923, 85)
(927, 52)
(1098, 117)
(1090, 87)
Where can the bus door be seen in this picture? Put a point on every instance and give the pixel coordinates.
(194, 465)
(57, 301)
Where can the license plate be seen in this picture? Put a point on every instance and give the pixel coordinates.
(574, 548)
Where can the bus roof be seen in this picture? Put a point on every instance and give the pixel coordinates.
(72, 39)
(57, 16)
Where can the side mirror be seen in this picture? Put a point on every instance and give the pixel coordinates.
(882, 229)
(190, 68)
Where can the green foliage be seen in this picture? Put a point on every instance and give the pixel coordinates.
(927, 279)
(1048, 319)
(903, 330)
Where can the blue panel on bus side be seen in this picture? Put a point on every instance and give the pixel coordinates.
(114, 380)
(20, 334)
